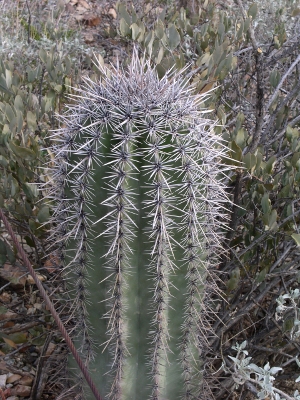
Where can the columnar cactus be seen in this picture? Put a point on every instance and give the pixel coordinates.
(138, 193)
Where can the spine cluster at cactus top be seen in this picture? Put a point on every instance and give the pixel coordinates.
(138, 203)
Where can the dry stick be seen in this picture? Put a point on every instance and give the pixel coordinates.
(259, 87)
(29, 21)
(282, 81)
(52, 309)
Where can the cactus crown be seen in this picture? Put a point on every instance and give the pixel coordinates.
(138, 193)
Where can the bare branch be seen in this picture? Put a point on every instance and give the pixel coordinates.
(282, 80)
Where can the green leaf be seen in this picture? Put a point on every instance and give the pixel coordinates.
(18, 337)
(31, 121)
(270, 165)
(43, 55)
(234, 279)
(43, 214)
(261, 276)
(288, 324)
(124, 27)
(2, 252)
(296, 237)
(3, 310)
(3, 85)
(296, 12)
(173, 37)
(240, 137)
(22, 152)
(291, 133)
(149, 41)
(58, 88)
(236, 152)
(250, 161)
(19, 120)
(30, 190)
(124, 14)
(31, 74)
(159, 29)
(217, 54)
(221, 29)
(266, 203)
(240, 31)
(29, 241)
(8, 76)
(274, 78)
(18, 104)
(159, 55)
(252, 12)
(247, 24)
(273, 220)
(10, 254)
(221, 114)
(135, 31)
(3, 161)
(9, 112)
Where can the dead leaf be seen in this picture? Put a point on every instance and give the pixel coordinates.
(8, 315)
(10, 342)
(13, 275)
(51, 264)
(90, 19)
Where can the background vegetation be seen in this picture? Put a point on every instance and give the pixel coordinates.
(248, 55)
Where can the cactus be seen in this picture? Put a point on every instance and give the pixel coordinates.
(138, 205)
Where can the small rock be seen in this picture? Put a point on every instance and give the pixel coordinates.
(3, 380)
(12, 398)
(84, 4)
(31, 311)
(112, 13)
(38, 306)
(80, 9)
(50, 349)
(21, 390)
(5, 297)
(31, 281)
(13, 378)
(26, 381)
(89, 38)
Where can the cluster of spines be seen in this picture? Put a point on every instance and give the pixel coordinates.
(134, 105)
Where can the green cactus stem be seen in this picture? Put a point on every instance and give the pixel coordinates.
(139, 199)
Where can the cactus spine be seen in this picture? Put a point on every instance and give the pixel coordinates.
(138, 199)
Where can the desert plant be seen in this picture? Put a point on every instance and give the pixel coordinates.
(138, 205)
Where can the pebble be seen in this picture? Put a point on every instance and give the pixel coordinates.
(13, 378)
(3, 380)
(21, 390)
(26, 380)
